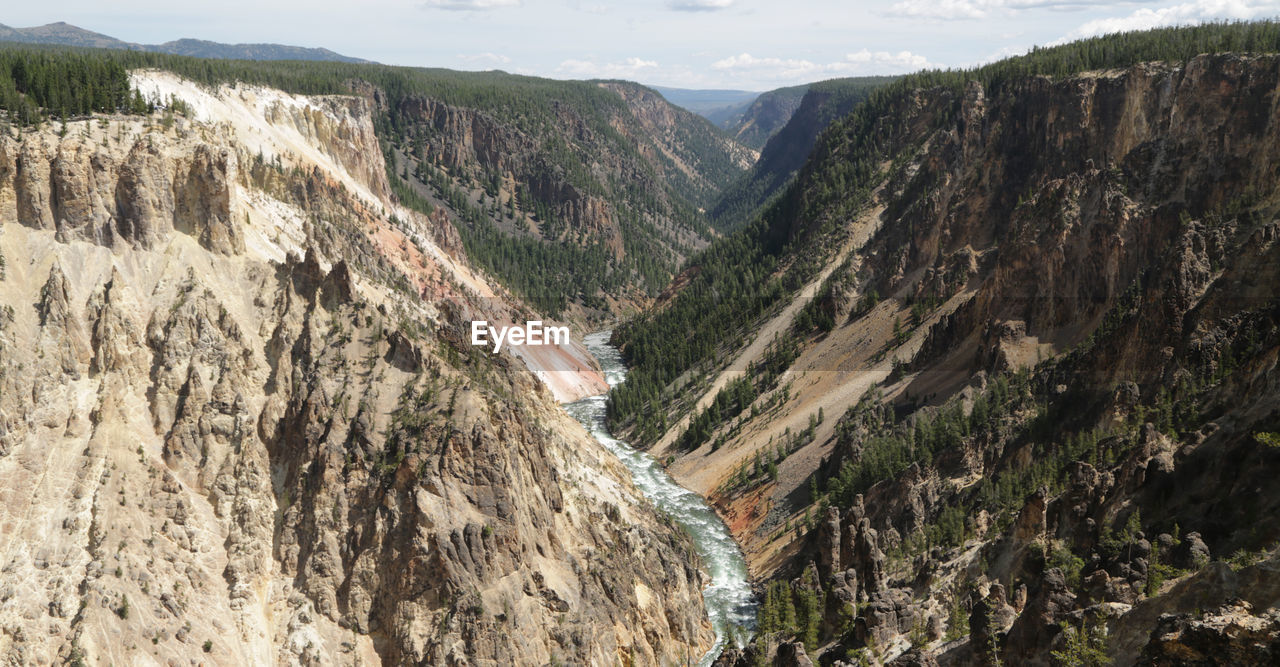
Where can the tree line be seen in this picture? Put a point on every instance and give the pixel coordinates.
(740, 277)
(37, 84)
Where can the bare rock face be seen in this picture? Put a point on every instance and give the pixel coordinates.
(1031, 521)
(1191, 552)
(60, 327)
(162, 183)
(792, 654)
(984, 642)
(990, 617)
(224, 439)
(79, 206)
(31, 184)
(116, 338)
(144, 197)
(1036, 627)
(996, 338)
(1231, 635)
(865, 559)
(828, 550)
(888, 613)
(203, 200)
(341, 127)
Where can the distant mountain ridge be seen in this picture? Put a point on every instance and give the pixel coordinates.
(65, 34)
(722, 107)
(789, 134)
(753, 118)
(768, 113)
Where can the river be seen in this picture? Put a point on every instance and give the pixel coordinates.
(730, 602)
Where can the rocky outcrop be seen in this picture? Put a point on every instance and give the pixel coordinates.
(1081, 284)
(848, 555)
(61, 330)
(1031, 521)
(888, 614)
(792, 654)
(1119, 211)
(865, 557)
(86, 193)
(31, 184)
(202, 200)
(467, 136)
(229, 432)
(80, 209)
(990, 617)
(829, 544)
(144, 197)
(341, 127)
(1231, 635)
(1038, 624)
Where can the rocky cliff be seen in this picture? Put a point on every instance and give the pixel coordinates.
(786, 123)
(1031, 410)
(690, 153)
(241, 422)
(595, 188)
(767, 114)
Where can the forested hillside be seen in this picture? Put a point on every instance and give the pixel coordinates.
(789, 143)
(241, 421)
(767, 114)
(558, 188)
(1035, 357)
(35, 85)
(786, 240)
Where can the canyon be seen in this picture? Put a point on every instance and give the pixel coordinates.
(1031, 364)
(239, 420)
(964, 367)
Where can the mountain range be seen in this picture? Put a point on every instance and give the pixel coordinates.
(719, 106)
(65, 34)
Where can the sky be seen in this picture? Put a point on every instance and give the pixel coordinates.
(725, 44)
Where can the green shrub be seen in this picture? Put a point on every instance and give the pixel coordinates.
(1086, 645)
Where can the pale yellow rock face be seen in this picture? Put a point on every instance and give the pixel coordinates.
(240, 422)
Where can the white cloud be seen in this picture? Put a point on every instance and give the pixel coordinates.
(470, 5)
(940, 9)
(700, 5)
(485, 58)
(1188, 13)
(589, 7)
(1000, 54)
(951, 10)
(629, 68)
(793, 69)
(900, 60)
